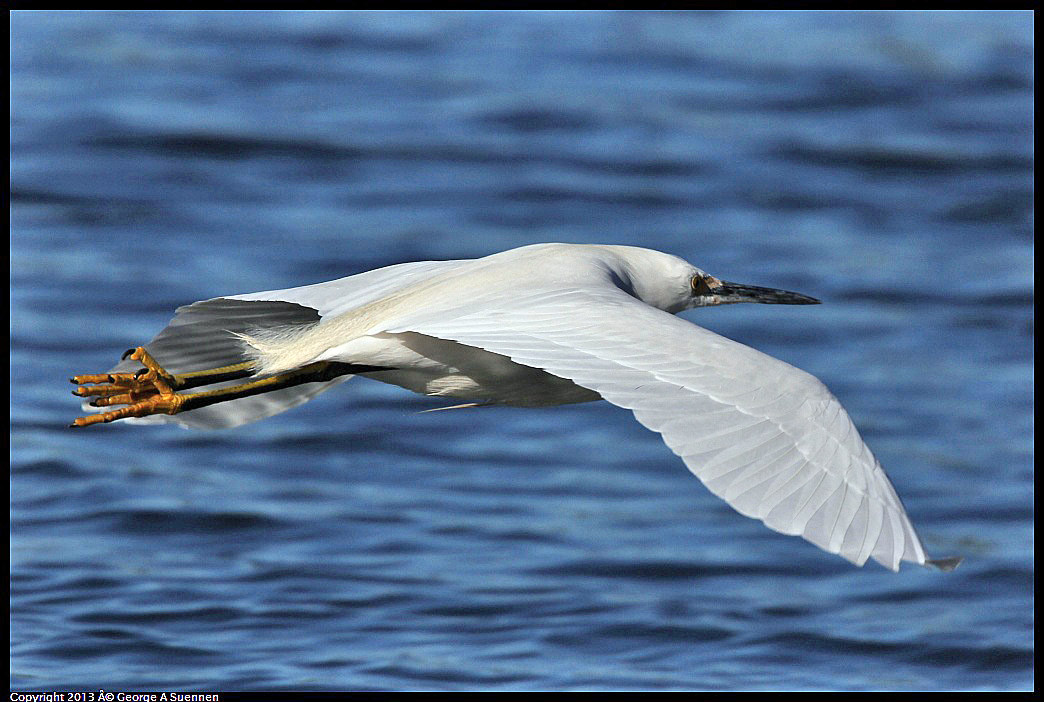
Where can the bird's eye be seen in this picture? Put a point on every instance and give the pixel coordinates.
(700, 286)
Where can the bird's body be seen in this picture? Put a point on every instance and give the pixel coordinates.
(544, 325)
(437, 366)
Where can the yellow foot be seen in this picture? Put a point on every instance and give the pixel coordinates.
(153, 390)
(157, 404)
(147, 391)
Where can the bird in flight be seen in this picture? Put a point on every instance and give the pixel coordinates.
(537, 326)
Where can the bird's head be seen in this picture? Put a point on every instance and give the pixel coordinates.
(673, 284)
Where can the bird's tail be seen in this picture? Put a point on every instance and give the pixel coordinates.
(207, 335)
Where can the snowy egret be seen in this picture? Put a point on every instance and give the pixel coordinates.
(541, 325)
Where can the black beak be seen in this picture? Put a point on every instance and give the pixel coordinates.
(734, 292)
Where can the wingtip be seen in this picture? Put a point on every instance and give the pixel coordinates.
(944, 564)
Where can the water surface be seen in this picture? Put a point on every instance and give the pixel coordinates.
(880, 162)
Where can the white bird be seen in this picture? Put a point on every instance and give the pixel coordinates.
(541, 325)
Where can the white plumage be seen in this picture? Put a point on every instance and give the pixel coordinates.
(556, 323)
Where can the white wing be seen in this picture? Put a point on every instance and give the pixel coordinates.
(335, 297)
(767, 438)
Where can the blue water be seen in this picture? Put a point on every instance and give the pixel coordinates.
(880, 162)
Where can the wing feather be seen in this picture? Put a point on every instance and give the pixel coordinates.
(335, 297)
(766, 437)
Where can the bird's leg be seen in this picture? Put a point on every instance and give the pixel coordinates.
(149, 390)
(153, 390)
(215, 375)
